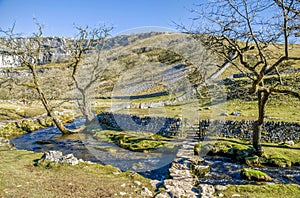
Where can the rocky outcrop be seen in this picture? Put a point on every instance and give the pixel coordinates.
(54, 49)
(57, 156)
(57, 49)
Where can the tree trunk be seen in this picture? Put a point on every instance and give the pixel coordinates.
(86, 107)
(45, 103)
(262, 100)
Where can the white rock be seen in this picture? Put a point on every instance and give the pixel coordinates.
(137, 183)
(220, 187)
(291, 143)
(146, 192)
(122, 193)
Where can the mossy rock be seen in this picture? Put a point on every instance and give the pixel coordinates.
(255, 175)
(145, 145)
(198, 168)
(134, 143)
(196, 161)
(279, 162)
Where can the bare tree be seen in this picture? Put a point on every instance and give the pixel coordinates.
(244, 32)
(88, 64)
(28, 53)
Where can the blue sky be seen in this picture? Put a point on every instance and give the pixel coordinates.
(58, 16)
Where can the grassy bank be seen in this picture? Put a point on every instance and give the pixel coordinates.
(21, 178)
(262, 191)
(278, 155)
(138, 141)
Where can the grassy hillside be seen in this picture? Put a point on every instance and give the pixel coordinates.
(157, 68)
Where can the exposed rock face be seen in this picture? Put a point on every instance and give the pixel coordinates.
(54, 49)
(57, 156)
(57, 49)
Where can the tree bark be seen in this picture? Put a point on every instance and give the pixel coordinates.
(87, 108)
(257, 128)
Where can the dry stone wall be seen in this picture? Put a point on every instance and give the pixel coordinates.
(271, 131)
(161, 125)
(276, 132)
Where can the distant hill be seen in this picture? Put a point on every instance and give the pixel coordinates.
(137, 64)
(56, 48)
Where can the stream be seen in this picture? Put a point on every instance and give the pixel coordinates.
(153, 165)
(225, 171)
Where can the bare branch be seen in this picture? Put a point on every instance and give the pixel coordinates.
(285, 91)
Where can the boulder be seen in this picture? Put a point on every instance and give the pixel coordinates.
(255, 175)
(3, 141)
(57, 156)
(290, 143)
(220, 187)
(236, 113)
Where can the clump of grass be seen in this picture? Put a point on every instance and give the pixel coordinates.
(12, 129)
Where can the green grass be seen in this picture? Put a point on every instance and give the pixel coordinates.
(136, 141)
(21, 178)
(242, 151)
(263, 191)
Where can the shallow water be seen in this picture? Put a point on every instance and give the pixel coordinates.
(225, 171)
(153, 165)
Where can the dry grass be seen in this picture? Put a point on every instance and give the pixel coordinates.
(12, 111)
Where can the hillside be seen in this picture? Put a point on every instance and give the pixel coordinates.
(165, 60)
(144, 72)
